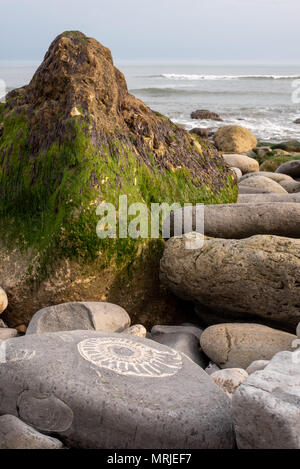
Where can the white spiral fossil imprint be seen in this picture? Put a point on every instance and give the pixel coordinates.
(125, 357)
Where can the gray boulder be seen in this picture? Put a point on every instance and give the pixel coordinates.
(292, 168)
(99, 316)
(15, 434)
(236, 221)
(274, 176)
(116, 391)
(264, 198)
(237, 345)
(252, 190)
(257, 277)
(291, 187)
(184, 339)
(266, 407)
(262, 182)
(243, 162)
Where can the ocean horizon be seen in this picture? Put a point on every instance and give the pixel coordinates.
(256, 96)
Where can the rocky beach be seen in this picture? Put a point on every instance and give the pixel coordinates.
(122, 343)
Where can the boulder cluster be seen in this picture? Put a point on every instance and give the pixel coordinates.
(79, 369)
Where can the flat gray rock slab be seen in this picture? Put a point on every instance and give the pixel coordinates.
(108, 390)
(266, 407)
(236, 221)
(15, 434)
(99, 316)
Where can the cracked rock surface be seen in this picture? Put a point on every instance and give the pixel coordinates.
(252, 278)
(236, 345)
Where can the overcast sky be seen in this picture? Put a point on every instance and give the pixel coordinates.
(200, 30)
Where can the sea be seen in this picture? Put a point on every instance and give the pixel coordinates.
(263, 98)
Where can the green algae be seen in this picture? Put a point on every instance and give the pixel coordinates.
(49, 196)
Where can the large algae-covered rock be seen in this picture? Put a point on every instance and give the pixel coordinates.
(108, 390)
(257, 277)
(75, 137)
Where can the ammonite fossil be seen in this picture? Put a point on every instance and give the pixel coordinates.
(126, 357)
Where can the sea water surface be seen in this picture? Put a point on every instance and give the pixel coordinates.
(259, 97)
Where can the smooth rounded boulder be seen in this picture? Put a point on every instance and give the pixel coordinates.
(236, 221)
(234, 139)
(263, 198)
(243, 162)
(256, 277)
(291, 168)
(107, 390)
(291, 186)
(237, 345)
(274, 176)
(262, 182)
(3, 300)
(92, 315)
(251, 190)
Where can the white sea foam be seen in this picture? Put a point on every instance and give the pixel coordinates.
(175, 76)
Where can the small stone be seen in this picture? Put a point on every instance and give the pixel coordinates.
(257, 365)
(237, 171)
(230, 379)
(21, 329)
(3, 300)
(15, 434)
(137, 329)
(7, 333)
(75, 112)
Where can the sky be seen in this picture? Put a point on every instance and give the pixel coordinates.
(257, 31)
